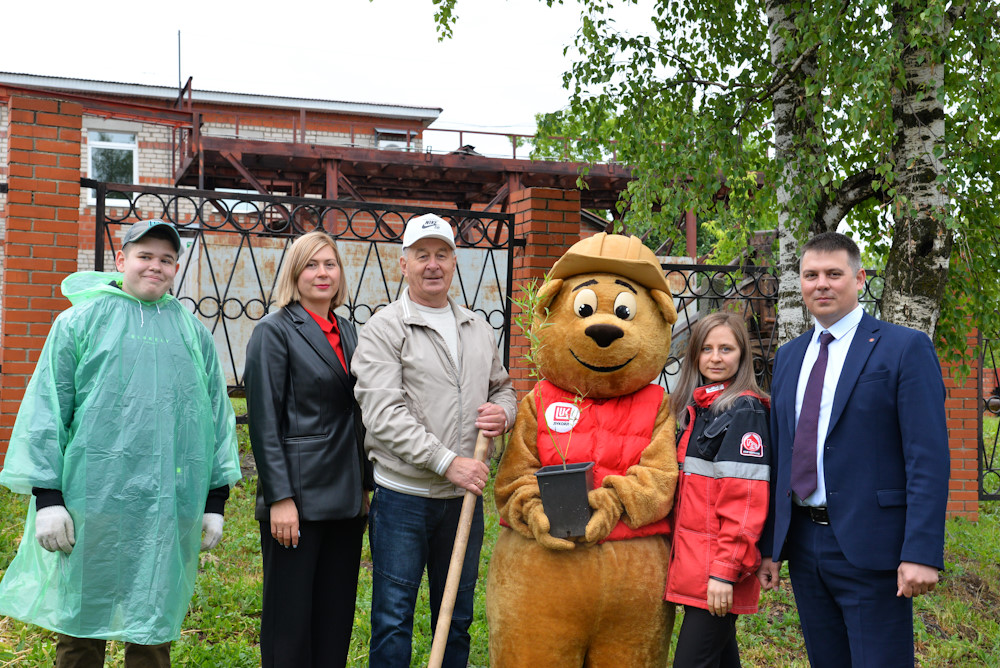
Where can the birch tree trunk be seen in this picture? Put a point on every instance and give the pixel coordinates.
(792, 124)
(917, 267)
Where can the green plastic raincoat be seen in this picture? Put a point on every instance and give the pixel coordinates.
(127, 414)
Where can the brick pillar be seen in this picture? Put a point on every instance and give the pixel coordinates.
(549, 221)
(40, 245)
(964, 417)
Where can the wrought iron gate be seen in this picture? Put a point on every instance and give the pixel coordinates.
(989, 418)
(236, 243)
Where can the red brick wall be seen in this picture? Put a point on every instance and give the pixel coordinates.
(964, 418)
(40, 245)
(549, 221)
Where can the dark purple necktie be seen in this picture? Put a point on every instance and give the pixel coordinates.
(804, 445)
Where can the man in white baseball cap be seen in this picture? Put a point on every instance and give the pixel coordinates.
(421, 442)
(428, 226)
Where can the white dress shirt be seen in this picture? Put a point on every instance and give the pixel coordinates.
(843, 333)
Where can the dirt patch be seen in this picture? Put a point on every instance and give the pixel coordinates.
(978, 594)
(248, 466)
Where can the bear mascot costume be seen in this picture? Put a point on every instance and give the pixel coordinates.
(601, 331)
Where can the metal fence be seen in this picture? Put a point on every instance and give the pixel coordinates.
(989, 401)
(236, 244)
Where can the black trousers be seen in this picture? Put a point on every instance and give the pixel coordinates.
(309, 594)
(73, 652)
(706, 641)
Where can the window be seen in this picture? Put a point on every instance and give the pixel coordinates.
(237, 206)
(395, 140)
(113, 157)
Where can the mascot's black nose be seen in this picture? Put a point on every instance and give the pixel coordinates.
(604, 335)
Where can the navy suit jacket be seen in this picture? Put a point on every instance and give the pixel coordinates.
(886, 456)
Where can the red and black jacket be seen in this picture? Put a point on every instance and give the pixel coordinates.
(722, 500)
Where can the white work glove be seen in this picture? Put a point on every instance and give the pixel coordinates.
(54, 529)
(211, 524)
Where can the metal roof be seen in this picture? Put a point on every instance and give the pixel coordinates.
(425, 114)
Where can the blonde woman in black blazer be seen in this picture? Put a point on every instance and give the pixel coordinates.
(313, 476)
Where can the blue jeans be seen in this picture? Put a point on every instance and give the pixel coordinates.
(408, 533)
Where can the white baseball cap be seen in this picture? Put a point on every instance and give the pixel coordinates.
(428, 226)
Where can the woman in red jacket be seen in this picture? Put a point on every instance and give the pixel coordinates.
(722, 495)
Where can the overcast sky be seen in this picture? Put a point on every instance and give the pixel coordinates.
(503, 65)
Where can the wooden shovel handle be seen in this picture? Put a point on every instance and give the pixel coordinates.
(455, 567)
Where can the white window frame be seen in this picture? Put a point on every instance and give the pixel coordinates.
(119, 128)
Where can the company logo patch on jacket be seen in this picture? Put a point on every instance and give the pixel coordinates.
(561, 416)
(751, 445)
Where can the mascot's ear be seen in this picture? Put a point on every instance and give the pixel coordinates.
(666, 304)
(546, 294)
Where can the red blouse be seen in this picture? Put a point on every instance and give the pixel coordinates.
(329, 328)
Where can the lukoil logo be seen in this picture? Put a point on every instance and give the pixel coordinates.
(561, 416)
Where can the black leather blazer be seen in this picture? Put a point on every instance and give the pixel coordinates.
(305, 425)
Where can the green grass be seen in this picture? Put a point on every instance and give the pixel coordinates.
(958, 625)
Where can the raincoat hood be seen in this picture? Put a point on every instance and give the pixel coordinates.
(86, 285)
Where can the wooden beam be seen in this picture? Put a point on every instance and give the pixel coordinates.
(349, 187)
(499, 197)
(466, 223)
(332, 177)
(234, 160)
(513, 184)
(310, 179)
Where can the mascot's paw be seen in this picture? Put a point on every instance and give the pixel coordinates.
(539, 524)
(607, 511)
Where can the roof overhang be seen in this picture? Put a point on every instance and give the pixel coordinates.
(425, 115)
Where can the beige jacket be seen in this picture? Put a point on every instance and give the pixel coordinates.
(418, 406)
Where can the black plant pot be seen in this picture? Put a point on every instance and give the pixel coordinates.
(564, 497)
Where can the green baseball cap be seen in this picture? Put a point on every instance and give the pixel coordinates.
(164, 229)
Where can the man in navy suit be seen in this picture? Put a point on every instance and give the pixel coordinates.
(859, 513)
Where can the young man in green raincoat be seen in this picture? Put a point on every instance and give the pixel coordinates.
(126, 438)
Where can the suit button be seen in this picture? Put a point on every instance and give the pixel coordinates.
(788, 493)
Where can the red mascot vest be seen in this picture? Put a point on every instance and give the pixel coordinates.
(612, 433)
